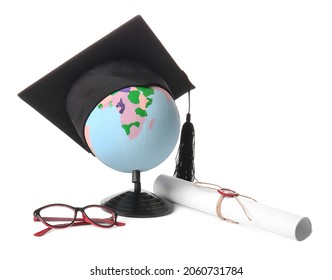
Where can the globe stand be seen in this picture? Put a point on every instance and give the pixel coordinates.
(138, 203)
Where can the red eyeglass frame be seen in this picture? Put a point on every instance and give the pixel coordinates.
(85, 220)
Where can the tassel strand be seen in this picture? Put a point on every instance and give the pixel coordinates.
(185, 166)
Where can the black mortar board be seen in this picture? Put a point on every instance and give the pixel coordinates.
(131, 55)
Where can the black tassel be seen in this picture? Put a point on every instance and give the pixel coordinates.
(185, 167)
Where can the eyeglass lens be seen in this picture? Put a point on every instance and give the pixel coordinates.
(58, 216)
(100, 216)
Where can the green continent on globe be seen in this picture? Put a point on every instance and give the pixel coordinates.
(141, 112)
(133, 96)
(127, 127)
(146, 90)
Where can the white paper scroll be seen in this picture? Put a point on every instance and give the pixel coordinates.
(263, 217)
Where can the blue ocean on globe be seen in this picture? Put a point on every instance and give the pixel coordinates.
(135, 128)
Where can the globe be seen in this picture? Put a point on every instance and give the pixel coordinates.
(135, 128)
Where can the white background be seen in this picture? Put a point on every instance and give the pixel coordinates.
(262, 114)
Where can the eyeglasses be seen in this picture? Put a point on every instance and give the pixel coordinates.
(58, 216)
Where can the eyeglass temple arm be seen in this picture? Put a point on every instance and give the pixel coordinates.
(81, 222)
(42, 232)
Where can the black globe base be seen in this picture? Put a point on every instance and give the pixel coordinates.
(137, 203)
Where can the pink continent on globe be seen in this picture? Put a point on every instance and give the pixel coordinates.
(127, 109)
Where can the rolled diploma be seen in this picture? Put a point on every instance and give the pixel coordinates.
(262, 216)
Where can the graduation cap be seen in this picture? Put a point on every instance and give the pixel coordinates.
(131, 55)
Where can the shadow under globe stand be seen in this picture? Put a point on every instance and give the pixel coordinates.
(138, 203)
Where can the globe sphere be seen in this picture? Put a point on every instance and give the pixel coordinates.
(135, 128)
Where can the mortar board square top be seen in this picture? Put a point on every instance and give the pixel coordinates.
(130, 55)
